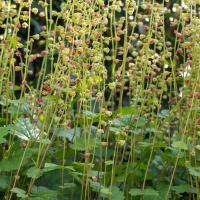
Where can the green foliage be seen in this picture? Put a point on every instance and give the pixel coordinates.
(145, 192)
(20, 193)
(3, 133)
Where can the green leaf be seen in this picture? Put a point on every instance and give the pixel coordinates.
(146, 192)
(68, 185)
(180, 145)
(16, 88)
(42, 193)
(126, 110)
(10, 164)
(68, 133)
(136, 192)
(194, 171)
(97, 187)
(20, 193)
(90, 114)
(3, 132)
(196, 109)
(152, 130)
(109, 162)
(4, 182)
(184, 188)
(25, 130)
(151, 192)
(13, 162)
(2, 140)
(162, 188)
(34, 172)
(51, 166)
(117, 194)
(105, 192)
(160, 144)
(81, 145)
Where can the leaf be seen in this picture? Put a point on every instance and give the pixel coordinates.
(42, 193)
(109, 162)
(90, 114)
(25, 130)
(152, 130)
(2, 121)
(51, 166)
(164, 113)
(151, 192)
(81, 145)
(127, 110)
(34, 172)
(180, 145)
(2, 140)
(68, 185)
(145, 144)
(13, 162)
(146, 192)
(68, 133)
(121, 121)
(135, 192)
(162, 188)
(20, 193)
(160, 144)
(4, 182)
(194, 171)
(16, 88)
(196, 109)
(105, 192)
(10, 164)
(3, 132)
(117, 194)
(3, 102)
(97, 187)
(184, 188)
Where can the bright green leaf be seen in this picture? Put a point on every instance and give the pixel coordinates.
(34, 172)
(109, 162)
(20, 193)
(180, 145)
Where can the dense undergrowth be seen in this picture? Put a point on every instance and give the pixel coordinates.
(99, 99)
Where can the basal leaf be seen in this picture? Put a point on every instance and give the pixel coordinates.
(13, 162)
(4, 181)
(81, 145)
(42, 193)
(184, 188)
(117, 194)
(146, 192)
(136, 192)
